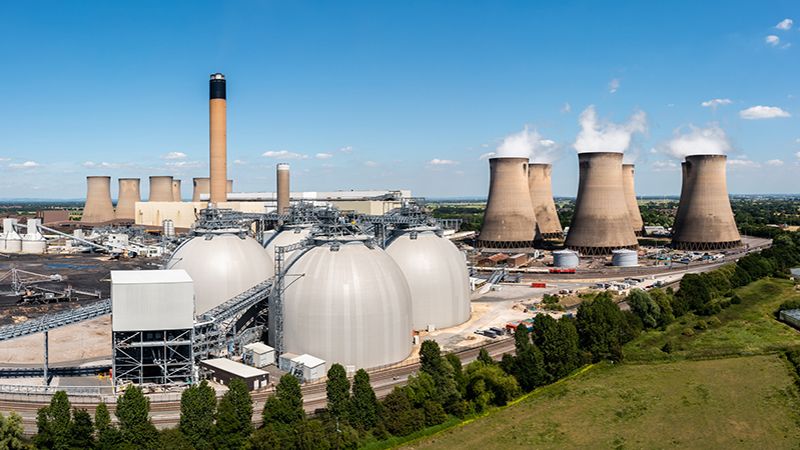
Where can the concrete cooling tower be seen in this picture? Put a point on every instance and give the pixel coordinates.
(437, 275)
(176, 190)
(98, 207)
(351, 306)
(199, 186)
(282, 176)
(630, 199)
(601, 222)
(509, 220)
(217, 138)
(127, 198)
(705, 219)
(161, 189)
(540, 183)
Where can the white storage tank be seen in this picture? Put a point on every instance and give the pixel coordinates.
(10, 241)
(222, 266)
(349, 304)
(565, 259)
(437, 275)
(288, 235)
(624, 258)
(33, 242)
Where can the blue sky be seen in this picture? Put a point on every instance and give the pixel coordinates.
(393, 94)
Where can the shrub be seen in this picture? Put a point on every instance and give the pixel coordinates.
(687, 332)
(667, 348)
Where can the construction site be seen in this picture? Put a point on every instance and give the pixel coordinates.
(165, 292)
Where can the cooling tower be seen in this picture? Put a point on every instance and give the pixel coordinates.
(176, 190)
(677, 223)
(217, 106)
(630, 199)
(199, 186)
(601, 222)
(229, 186)
(128, 196)
(705, 219)
(540, 183)
(509, 220)
(98, 207)
(283, 188)
(161, 189)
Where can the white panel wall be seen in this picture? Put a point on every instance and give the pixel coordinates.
(151, 300)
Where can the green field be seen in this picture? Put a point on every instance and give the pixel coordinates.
(724, 385)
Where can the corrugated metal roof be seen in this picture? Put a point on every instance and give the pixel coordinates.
(234, 367)
(308, 360)
(149, 276)
(259, 347)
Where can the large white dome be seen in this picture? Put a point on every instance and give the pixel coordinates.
(288, 235)
(437, 275)
(350, 305)
(221, 267)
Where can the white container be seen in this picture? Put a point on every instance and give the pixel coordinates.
(565, 259)
(624, 258)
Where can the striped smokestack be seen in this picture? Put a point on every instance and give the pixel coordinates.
(509, 220)
(540, 183)
(161, 189)
(98, 207)
(217, 107)
(283, 188)
(128, 196)
(705, 218)
(630, 199)
(176, 190)
(199, 186)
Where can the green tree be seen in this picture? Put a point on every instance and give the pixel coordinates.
(440, 370)
(82, 429)
(645, 307)
(198, 413)
(483, 356)
(558, 342)
(458, 371)
(135, 427)
(364, 404)
(434, 413)
(528, 366)
(107, 435)
(54, 423)
(337, 389)
(173, 439)
(286, 406)
(311, 435)
(399, 414)
(11, 433)
(600, 325)
(694, 291)
(489, 385)
(234, 417)
(664, 302)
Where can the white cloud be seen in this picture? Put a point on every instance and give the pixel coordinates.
(324, 155)
(613, 86)
(664, 166)
(442, 162)
(184, 164)
(519, 145)
(102, 165)
(772, 40)
(774, 162)
(716, 102)
(785, 24)
(763, 112)
(174, 155)
(597, 136)
(487, 155)
(5, 159)
(698, 141)
(346, 149)
(743, 162)
(371, 164)
(566, 108)
(25, 165)
(283, 154)
(239, 162)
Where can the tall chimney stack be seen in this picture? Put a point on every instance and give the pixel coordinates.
(98, 207)
(217, 107)
(199, 186)
(509, 220)
(229, 186)
(705, 219)
(176, 190)
(128, 196)
(630, 199)
(540, 183)
(161, 189)
(601, 222)
(283, 188)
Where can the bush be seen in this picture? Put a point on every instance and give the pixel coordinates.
(735, 300)
(713, 322)
(688, 332)
(434, 413)
(667, 348)
(700, 325)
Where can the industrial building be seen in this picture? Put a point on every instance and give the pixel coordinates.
(540, 183)
(509, 220)
(705, 219)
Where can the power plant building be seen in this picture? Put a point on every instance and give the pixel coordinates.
(540, 183)
(509, 220)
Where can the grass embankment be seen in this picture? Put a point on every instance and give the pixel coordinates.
(724, 385)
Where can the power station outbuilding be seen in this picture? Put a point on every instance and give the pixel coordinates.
(224, 370)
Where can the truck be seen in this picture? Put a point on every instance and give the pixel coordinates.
(538, 285)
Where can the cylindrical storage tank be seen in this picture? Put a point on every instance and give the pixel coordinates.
(176, 190)
(565, 259)
(200, 186)
(283, 188)
(601, 222)
(32, 241)
(98, 207)
(222, 267)
(624, 258)
(540, 183)
(630, 199)
(168, 228)
(351, 306)
(437, 275)
(509, 220)
(11, 242)
(161, 189)
(128, 196)
(288, 235)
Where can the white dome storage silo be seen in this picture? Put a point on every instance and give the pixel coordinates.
(221, 266)
(347, 302)
(287, 235)
(10, 241)
(437, 275)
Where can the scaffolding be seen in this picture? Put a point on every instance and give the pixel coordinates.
(163, 357)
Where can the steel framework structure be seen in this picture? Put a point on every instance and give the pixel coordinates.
(162, 357)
